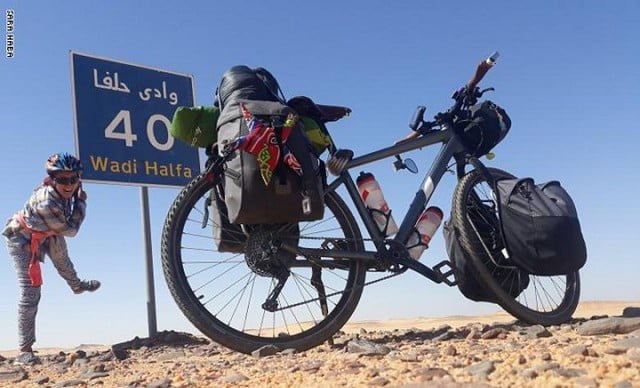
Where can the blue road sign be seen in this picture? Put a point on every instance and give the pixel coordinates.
(122, 117)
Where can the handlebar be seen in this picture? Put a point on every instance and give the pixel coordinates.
(482, 70)
(466, 96)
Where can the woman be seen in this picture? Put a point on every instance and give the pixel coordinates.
(54, 211)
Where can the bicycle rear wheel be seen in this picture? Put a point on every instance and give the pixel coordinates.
(223, 293)
(547, 300)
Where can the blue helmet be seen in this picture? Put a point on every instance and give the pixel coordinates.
(63, 162)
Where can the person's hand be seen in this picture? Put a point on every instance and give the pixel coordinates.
(81, 194)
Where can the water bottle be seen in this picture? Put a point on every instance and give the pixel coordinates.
(374, 199)
(424, 230)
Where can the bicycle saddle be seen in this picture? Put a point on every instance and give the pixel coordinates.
(325, 113)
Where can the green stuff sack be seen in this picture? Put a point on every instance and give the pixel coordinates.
(317, 136)
(195, 125)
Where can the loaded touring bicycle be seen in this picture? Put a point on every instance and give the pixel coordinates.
(295, 283)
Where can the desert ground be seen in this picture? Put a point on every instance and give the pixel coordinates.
(599, 347)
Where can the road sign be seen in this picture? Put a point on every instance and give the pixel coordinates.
(122, 118)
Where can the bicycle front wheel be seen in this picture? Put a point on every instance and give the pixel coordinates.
(223, 294)
(546, 300)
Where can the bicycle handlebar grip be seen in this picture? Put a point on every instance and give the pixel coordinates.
(482, 69)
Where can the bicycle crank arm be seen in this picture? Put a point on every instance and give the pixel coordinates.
(435, 275)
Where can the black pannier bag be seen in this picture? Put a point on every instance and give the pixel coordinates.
(227, 236)
(287, 197)
(541, 227)
(513, 280)
(487, 125)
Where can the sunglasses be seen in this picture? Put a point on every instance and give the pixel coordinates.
(67, 180)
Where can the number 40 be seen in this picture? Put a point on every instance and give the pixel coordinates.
(124, 117)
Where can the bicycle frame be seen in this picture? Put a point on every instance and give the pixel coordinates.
(451, 145)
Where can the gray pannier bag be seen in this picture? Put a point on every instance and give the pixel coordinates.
(541, 227)
(288, 197)
(227, 236)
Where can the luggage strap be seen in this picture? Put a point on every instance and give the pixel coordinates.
(267, 143)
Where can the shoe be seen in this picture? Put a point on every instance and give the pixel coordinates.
(27, 358)
(86, 285)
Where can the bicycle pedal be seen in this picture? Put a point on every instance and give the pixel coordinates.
(449, 277)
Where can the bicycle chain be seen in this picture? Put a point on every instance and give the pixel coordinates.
(337, 292)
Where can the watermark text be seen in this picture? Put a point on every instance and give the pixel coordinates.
(10, 38)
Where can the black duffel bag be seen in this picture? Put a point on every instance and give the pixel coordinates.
(243, 82)
(541, 227)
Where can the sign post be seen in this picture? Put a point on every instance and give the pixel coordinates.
(122, 117)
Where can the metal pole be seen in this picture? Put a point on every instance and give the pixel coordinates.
(151, 295)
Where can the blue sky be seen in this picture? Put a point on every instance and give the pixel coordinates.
(568, 77)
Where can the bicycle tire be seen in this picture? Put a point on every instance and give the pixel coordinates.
(191, 300)
(536, 304)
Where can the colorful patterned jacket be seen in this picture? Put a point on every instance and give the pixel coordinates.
(46, 211)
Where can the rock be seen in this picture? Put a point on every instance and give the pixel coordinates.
(105, 357)
(609, 326)
(473, 334)
(450, 351)
(625, 344)
(311, 366)
(13, 375)
(41, 380)
(354, 364)
(80, 362)
(541, 368)
(633, 354)
(492, 333)
(409, 357)
(529, 373)
(234, 378)
(631, 312)
(587, 382)
(119, 353)
(171, 355)
(70, 383)
(378, 381)
(447, 335)
(536, 331)
(164, 383)
(483, 369)
(570, 372)
(267, 350)
(81, 354)
(428, 374)
(577, 350)
(367, 348)
(94, 375)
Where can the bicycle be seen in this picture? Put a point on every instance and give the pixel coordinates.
(243, 301)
